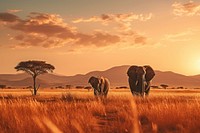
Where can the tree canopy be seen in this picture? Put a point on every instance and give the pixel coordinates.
(35, 68)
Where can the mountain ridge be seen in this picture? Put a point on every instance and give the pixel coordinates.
(117, 76)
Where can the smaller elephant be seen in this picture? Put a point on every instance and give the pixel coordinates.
(100, 85)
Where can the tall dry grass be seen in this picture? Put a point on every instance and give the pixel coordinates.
(172, 113)
(69, 114)
(83, 113)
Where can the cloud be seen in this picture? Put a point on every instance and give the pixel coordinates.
(50, 25)
(50, 31)
(186, 9)
(179, 37)
(140, 40)
(98, 39)
(134, 38)
(13, 10)
(105, 18)
(122, 20)
(8, 18)
(46, 30)
(30, 40)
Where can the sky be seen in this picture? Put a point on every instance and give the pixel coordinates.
(79, 36)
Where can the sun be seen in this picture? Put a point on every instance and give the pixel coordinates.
(198, 63)
(197, 66)
(191, 65)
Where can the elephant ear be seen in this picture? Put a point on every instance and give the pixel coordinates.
(149, 73)
(132, 71)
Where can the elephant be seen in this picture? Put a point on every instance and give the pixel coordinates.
(100, 85)
(140, 79)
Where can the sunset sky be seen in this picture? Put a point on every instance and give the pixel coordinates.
(78, 36)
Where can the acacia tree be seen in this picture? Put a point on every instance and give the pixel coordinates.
(35, 68)
(164, 86)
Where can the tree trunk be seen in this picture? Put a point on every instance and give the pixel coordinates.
(34, 85)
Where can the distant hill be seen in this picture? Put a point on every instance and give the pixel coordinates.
(24, 80)
(117, 76)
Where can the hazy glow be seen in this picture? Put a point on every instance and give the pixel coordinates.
(196, 66)
(80, 36)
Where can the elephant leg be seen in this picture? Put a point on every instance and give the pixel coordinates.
(106, 93)
(147, 88)
(133, 87)
(96, 93)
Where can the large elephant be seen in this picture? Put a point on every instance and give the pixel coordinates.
(140, 79)
(101, 85)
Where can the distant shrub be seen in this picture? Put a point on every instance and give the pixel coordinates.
(180, 87)
(68, 86)
(2, 86)
(59, 87)
(121, 87)
(88, 87)
(155, 87)
(164, 86)
(79, 87)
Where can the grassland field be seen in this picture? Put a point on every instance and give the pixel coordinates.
(78, 111)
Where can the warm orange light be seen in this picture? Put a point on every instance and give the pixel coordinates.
(194, 67)
(198, 65)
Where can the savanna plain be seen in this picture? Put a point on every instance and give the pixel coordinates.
(78, 111)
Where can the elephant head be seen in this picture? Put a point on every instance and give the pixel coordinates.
(95, 83)
(139, 79)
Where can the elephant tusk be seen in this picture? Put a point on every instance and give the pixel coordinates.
(136, 82)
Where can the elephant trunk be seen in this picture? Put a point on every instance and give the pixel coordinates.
(140, 83)
(143, 85)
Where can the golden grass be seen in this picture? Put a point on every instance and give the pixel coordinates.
(172, 113)
(78, 111)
